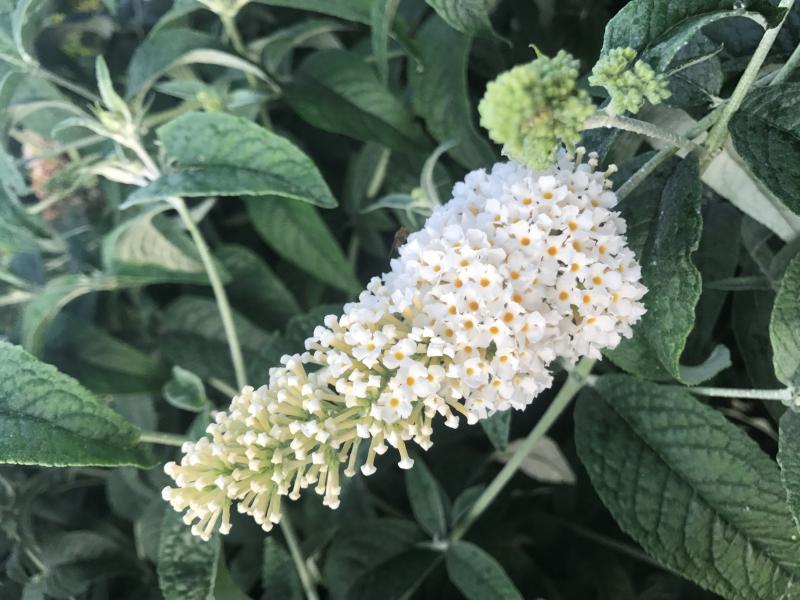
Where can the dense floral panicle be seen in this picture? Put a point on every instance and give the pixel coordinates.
(532, 107)
(629, 83)
(519, 268)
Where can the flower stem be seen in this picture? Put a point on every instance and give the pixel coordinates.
(663, 155)
(229, 23)
(783, 395)
(571, 386)
(223, 305)
(165, 439)
(789, 66)
(605, 119)
(720, 130)
(299, 563)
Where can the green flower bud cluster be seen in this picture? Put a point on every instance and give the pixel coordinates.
(629, 85)
(532, 108)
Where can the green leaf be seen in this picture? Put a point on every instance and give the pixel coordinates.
(187, 566)
(224, 155)
(254, 289)
(185, 390)
(643, 24)
(192, 336)
(160, 50)
(155, 249)
(426, 500)
(358, 550)
(47, 418)
(767, 125)
(397, 578)
(784, 327)
(101, 362)
(110, 98)
(337, 91)
(352, 10)
(664, 232)
(545, 462)
(789, 460)
(381, 18)
(439, 92)
(298, 234)
(497, 428)
(26, 22)
(60, 291)
(694, 490)
(467, 16)
(477, 575)
(278, 574)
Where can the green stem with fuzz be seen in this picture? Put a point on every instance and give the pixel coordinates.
(784, 395)
(575, 381)
(719, 132)
(221, 297)
(299, 563)
(605, 119)
(165, 439)
(789, 66)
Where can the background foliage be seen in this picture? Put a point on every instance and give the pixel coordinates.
(304, 134)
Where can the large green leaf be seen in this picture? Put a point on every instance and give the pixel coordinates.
(192, 336)
(664, 231)
(254, 289)
(60, 291)
(766, 132)
(187, 566)
(645, 24)
(477, 575)
(224, 155)
(278, 574)
(358, 550)
(426, 500)
(153, 247)
(789, 460)
(337, 91)
(48, 418)
(690, 487)
(439, 92)
(397, 578)
(298, 233)
(352, 10)
(784, 326)
(467, 16)
(100, 361)
(160, 50)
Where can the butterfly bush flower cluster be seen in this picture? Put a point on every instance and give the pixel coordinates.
(519, 268)
(534, 107)
(629, 83)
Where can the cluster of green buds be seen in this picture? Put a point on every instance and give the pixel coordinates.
(534, 107)
(629, 82)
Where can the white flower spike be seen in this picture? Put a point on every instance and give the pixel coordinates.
(519, 268)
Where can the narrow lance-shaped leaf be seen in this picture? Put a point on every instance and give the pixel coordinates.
(664, 232)
(426, 500)
(187, 566)
(784, 326)
(477, 575)
(298, 233)
(694, 490)
(642, 24)
(337, 91)
(439, 92)
(48, 418)
(222, 155)
(789, 460)
(766, 132)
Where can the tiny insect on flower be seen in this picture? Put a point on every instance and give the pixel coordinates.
(462, 341)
